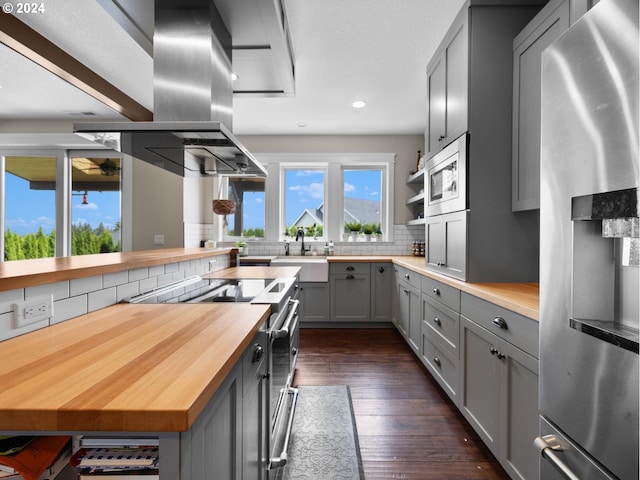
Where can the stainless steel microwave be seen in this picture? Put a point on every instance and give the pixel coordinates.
(446, 179)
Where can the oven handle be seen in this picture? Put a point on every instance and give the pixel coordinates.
(548, 446)
(284, 331)
(281, 461)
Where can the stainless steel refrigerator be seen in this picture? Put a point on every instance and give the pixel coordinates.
(589, 273)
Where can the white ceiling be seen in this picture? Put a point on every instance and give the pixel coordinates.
(374, 50)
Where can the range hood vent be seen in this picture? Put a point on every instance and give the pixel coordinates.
(192, 129)
(184, 148)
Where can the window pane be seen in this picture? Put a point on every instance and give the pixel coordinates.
(30, 212)
(249, 218)
(304, 201)
(95, 205)
(363, 200)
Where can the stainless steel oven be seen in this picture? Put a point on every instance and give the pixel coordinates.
(282, 330)
(446, 179)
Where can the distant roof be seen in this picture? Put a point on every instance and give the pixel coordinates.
(355, 209)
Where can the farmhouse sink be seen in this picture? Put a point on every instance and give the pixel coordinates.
(312, 268)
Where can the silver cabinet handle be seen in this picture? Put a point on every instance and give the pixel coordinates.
(406, 275)
(284, 456)
(436, 360)
(500, 323)
(436, 291)
(437, 321)
(548, 446)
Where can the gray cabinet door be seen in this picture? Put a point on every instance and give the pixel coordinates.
(255, 409)
(480, 382)
(447, 89)
(212, 447)
(382, 278)
(350, 298)
(519, 407)
(410, 303)
(314, 301)
(398, 318)
(446, 240)
(527, 74)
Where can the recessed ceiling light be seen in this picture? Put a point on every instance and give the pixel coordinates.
(234, 76)
(302, 124)
(359, 104)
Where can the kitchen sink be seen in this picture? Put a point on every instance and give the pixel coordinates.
(312, 268)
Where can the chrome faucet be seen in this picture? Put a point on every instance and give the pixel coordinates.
(300, 234)
(286, 248)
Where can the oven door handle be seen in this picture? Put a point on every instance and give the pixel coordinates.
(286, 328)
(549, 446)
(281, 461)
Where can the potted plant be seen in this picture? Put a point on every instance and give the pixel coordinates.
(368, 229)
(354, 228)
(243, 248)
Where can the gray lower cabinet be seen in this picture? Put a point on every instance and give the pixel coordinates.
(499, 383)
(228, 440)
(314, 302)
(350, 286)
(382, 284)
(407, 306)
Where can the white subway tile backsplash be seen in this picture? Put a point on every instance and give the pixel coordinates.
(156, 270)
(69, 308)
(171, 267)
(102, 298)
(127, 290)
(9, 296)
(138, 274)
(148, 284)
(59, 290)
(115, 278)
(7, 331)
(78, 286)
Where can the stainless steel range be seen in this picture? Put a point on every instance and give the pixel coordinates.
(282, 329)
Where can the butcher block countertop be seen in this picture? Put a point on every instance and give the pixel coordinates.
(144, 367)
(522, 298)
(28, 273)
(247, 272)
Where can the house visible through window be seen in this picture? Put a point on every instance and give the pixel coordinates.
(363, 200)
(304, 201)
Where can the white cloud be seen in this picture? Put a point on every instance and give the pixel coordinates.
(349, 187)
(259, 200)
(88, 206)
(313, 190)
(307, 173)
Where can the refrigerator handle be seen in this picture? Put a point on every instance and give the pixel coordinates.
(548, 446)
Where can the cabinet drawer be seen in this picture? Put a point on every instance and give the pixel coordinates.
(442, 292)
(442, 365)
(441, 322)
(355, 268)
(407, 276)
(512, 327)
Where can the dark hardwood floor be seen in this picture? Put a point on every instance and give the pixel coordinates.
(407, 426)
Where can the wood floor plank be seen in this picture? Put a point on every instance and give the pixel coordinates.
(407, 426)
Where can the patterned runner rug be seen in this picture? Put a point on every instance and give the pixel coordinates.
(324, 439)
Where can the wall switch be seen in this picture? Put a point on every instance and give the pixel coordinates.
(32, 311)
(158, 239)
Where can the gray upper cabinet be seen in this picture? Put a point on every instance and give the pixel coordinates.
(446, 236)
(527, 74)
(447, 89)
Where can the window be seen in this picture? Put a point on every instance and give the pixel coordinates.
(304, 201)
(29, 207)
(60, 203)
(95, 205)
(362, 200)
(248, 220)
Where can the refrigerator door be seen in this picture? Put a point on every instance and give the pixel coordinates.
(565, 461)
(589, 145)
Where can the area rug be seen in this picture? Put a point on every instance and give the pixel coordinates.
(324, 439)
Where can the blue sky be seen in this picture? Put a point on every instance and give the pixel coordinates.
(27, 210)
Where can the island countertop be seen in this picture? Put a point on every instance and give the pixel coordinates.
(144, 367)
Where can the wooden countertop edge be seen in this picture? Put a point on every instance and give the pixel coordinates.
(29, 273)
(519, 297)
(66, 413)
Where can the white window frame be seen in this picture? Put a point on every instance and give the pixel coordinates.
(335, 164)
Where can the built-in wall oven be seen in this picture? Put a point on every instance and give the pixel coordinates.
(283, 333)
(446, 179)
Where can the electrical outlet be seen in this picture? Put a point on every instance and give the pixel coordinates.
(32, 311)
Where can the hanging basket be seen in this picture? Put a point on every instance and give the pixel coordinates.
(223, 207)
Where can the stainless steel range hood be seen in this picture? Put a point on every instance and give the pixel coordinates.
(192, 128)
(184, 148)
